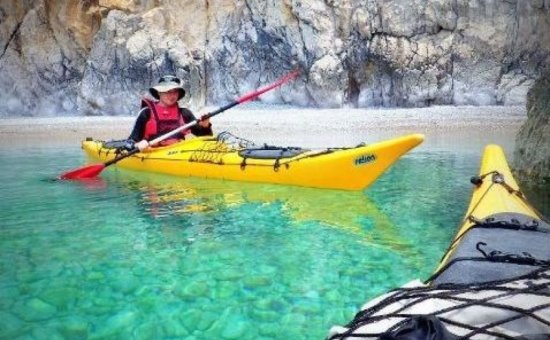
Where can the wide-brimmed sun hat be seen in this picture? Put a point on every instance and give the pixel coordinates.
(167, 83)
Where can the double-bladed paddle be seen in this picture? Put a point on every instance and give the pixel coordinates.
(90, 171)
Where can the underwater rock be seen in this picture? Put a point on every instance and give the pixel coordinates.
(34, 309)
(74, 327)
(116, 325)
(10, 325)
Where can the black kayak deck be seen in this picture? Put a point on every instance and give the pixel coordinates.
(500, 247)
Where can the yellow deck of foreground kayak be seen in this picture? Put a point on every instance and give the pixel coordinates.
(492, 283)
(490, 198)
(347, 168)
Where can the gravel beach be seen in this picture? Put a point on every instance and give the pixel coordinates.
(312, 128)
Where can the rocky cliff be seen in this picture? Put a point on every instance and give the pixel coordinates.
(532, 153)
(98, 56)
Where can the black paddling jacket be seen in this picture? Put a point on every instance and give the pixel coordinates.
(138, 132)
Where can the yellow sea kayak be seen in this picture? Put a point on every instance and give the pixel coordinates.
(496, 200)
(493, 282)
(228, 157)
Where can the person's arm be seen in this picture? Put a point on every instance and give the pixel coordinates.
(138, 132)
(197, 130)
(139, 126)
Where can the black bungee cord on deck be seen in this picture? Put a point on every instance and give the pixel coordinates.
(452, 292)
(229, 143)
(525, 258)
(497, 178)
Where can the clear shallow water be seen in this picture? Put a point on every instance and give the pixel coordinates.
(145, 256)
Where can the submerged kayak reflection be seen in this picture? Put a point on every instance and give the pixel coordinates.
(165, 198)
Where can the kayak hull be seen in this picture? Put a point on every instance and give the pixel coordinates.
(347, 168)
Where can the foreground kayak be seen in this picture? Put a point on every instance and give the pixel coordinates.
(493, 282)
(228, 157)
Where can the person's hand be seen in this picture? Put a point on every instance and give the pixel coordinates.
(142, 145)
(205, 123)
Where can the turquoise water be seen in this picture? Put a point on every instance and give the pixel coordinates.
(145, 256)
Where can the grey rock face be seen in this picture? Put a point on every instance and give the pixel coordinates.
(40, 65)
(79, 57)
(127, 56)
(532, 153)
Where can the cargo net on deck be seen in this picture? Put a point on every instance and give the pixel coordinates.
(226, 143)
(510, 309)
(237, 143)
(248, 150)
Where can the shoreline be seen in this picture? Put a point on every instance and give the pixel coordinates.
(288, 126)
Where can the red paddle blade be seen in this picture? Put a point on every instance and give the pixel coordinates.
(279, 82)
(88, 171)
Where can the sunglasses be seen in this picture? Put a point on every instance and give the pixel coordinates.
(170, 79)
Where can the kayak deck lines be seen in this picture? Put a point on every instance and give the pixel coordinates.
(227, 143)
(499, 178)
(232, 158)
(490, 222)
(205, 157)
(494, 223)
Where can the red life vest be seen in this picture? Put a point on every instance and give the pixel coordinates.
(162, 120)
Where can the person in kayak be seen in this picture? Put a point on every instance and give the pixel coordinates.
(164, 114)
